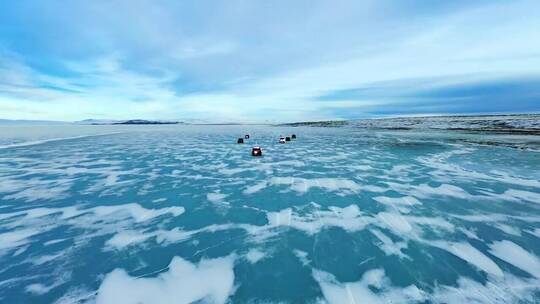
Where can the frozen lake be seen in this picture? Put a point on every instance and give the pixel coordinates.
(181, 214)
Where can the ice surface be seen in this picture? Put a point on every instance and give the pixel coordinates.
(181, 214)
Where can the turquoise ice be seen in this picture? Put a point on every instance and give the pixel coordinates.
(180, 214)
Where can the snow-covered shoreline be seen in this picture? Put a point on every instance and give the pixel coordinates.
(487, 122)
(518, 123)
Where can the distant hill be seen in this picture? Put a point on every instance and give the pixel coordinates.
(125, 122)
(96, 122)
(145, 122)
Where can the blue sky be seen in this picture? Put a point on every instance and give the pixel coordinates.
(259, 61)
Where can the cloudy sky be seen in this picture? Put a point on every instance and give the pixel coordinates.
(257, 61)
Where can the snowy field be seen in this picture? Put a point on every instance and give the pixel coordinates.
(182, 214)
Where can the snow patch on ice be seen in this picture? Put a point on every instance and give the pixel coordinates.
(37, 289)
(255, 188)
(302, 256)
(535, 232)
(473, 256)
(135, 211)
(508, 229)
(501, 291)
(12, 239)
(396, 222)
(425, 190)
(348, 218)
(521, 195)
(255, 255)
(126, 238)
(517, 256)
(209, 280)
(216, 197)
(388, 246)
(303, 185)
(46, 258)
(403, 204)
(362, 291)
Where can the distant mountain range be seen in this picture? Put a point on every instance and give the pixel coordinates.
(145, 122)
(114, 122)
(95, 122)
(126, 122)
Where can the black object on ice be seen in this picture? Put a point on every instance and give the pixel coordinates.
(256, 151)
(287, 138)
(246, 136)
(240, 141)
(293, 136)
